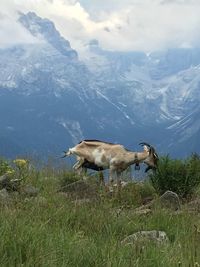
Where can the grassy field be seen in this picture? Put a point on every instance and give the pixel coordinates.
(53, 230)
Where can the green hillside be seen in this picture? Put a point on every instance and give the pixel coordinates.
(47, 220)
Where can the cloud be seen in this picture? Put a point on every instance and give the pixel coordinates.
(150, 25)
(180, 2)
(12, 33)
(118, 25)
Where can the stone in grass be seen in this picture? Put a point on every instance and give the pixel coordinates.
(154, 236)
(170, 200)
(30, 191)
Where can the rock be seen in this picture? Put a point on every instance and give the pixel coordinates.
(80, 189)
(30, 191)
(170, 200)
(157, 237)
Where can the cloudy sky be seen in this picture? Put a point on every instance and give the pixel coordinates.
(145, 25)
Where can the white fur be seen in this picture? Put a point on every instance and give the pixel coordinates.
(98, 154)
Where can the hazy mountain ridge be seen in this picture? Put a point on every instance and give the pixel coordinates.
(50, 99)
(168, 98)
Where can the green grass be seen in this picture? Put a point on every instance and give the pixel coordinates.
(61, 232)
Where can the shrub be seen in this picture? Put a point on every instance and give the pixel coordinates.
(180, 176)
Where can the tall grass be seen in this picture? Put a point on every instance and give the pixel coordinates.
(52, 230)
(180, 176)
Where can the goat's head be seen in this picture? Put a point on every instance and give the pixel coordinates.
(152, 159)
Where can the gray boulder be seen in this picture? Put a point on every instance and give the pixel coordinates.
(158, 237)
(30, 191)
(170, 200)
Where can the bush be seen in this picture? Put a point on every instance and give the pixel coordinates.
(180, 176)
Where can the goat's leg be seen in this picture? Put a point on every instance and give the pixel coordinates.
(79, 169)
(101, 178)
(112, 173)
(78, 164)
(119, 174)
(109, 186)
(84, 173)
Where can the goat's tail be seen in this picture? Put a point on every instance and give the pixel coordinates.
(66, 153)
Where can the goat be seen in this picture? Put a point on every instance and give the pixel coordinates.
(99, 155)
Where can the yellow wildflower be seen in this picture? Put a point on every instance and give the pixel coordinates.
(20, 163)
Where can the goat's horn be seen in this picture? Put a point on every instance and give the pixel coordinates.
(144, 144)
(155, 155)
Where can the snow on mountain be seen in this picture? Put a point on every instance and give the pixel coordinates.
(161, 89)
(44, 28)
(51, 96)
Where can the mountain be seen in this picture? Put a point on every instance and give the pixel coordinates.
(160, 91)
(51, 96)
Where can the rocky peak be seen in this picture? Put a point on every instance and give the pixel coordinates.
(46, 29)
